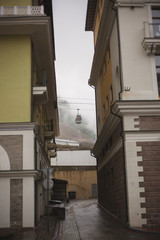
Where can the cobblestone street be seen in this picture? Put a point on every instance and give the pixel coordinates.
(86, 221)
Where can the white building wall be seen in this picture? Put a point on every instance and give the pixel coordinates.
(28, 147)
(5, 203)
(73, 158)
(28, 182)
(137, 67)
(4, 160)
(28, 150)
(115, 62)
(28, 202)
(133, 180)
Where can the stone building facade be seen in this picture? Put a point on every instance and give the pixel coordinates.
(126, 75)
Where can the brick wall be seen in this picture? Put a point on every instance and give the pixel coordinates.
(16, 202)
(111, 186)
(151, 172)
(13, 145)
(147, 122)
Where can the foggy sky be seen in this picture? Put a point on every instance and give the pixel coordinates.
(74, 54)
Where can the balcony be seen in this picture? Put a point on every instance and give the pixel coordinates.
(50, 146)
(40, 94)
(48, 131)
(52, 154)
(21, 11)
(151, 41)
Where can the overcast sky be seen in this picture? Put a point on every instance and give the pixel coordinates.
(74, 54)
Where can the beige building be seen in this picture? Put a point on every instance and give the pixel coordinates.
(75, 165)
(126, 76)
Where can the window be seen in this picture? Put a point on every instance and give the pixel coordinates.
(112, 177)
(156, 22)
(109, 55)
(98, 123)
(157, 58)
(105, 67)
(111, 95)
(104, 111)
(101, 76)
(98, 13)
(107, 103)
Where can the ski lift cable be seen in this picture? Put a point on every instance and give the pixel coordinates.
(90, 99)
(77, 103)
(88, 109)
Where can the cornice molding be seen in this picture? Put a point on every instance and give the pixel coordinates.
(107, 130)
(17, 126)
(137, 2)
(104, 33)
(20, 174)
(110, 154)
(139, 107)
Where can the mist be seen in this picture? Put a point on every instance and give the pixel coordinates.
(83, 133)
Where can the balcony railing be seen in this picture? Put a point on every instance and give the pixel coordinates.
(49, 131)
(152, 30)
(21, 11)
(151, 41)
(40, 94)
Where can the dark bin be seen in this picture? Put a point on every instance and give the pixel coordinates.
(72, 195)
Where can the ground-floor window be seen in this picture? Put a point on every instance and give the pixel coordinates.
(157, 57)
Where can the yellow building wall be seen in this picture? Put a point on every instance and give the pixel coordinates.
(106, 83)
(15, 79)
(98, 19)
(79, 182)
(15, 2)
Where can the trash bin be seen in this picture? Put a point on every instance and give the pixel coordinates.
(72, 195)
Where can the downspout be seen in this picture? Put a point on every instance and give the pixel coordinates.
(124, 163)
(119, 49)
(32, 79)
(35, 154)
(97, 137)
(121, 90)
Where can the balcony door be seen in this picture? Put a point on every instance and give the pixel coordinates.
(156, 22)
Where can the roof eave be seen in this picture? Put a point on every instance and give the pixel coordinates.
(90, 17)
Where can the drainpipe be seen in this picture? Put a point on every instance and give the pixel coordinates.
(35, 154)
(119, 48)
(121, 90)
(124, 162)
(95, 105)
(32, 83)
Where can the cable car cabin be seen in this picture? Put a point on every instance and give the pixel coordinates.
(78, 119)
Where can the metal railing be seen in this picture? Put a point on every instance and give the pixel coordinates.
(21, 11)
(151, 30)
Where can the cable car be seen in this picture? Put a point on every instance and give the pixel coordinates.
(78, 118)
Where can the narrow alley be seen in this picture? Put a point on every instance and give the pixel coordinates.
(85, 220)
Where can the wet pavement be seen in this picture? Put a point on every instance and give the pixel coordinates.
(43, 231)
(85, 220)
